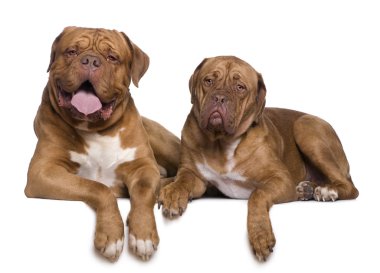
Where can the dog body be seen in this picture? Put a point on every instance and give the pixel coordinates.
(266, 155)
(93, 145)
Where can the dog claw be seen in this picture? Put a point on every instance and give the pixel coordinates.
(260, 258)
(172, 214)
(159, 204)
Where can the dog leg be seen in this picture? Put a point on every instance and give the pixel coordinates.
(274, 190)
(175, 196)
(48, 180)
(318, 141)
(142, 185)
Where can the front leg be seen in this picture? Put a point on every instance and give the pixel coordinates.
(175, 196)
(277, 189)
(49, 180)
(142, 185)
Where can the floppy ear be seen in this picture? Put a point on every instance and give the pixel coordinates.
(54, 46)
(53, 51)
(260, 97)
(193, 79)
(140, 61)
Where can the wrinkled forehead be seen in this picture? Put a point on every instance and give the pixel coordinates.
(86, 38)
(228, 66)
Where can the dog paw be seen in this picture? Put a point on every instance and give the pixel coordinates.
(173, 198)
(262, 241)
(113, 250)
(143, 237)
(109, 237)
(325, 194)
(305, 190)
(142, 248)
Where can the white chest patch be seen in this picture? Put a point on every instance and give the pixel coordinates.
(228, 182)
(103, 155)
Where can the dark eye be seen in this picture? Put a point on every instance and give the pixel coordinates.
(240, 88)
(71, 52)
(112, 58)
(208, 82)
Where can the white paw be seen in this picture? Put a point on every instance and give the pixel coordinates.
(142, 248)
(325, 194)
(113, 250)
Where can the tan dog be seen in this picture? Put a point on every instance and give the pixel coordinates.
(267, 156)
(93, 146)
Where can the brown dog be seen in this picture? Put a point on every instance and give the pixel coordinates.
(93, 146)
(265, 155)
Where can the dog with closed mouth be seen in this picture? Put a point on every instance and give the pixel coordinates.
(93, 146)
(266, 155)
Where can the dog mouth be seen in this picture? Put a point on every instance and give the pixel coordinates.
(84, 103)
(215, 120)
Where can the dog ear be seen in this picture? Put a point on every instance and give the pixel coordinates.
(54, 46)
(193, 79)
(53, 51)
(140, 61)
(260, 97)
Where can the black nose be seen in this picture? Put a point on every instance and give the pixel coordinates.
(91, 62)
(219, 98)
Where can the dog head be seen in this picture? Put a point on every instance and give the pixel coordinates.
(228, 96)
(90, 73)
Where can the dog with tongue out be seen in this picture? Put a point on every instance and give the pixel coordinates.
(93, 146)
(92, 101)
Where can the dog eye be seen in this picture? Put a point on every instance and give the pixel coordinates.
(208, 82)
(111, 58)
(240, 88)
(71, 52)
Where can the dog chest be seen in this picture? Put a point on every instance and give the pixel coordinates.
(103, 155)
(230, 182)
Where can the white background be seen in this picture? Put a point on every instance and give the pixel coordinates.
(321, 57)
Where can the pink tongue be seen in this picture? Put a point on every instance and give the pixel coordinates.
(86, 102)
